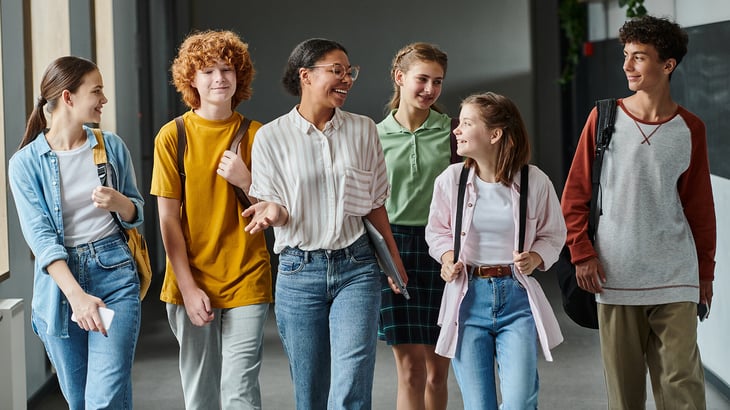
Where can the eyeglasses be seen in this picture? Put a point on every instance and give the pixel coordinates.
(339, 70)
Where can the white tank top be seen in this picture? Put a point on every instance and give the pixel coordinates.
(492, 232)
(82, 221)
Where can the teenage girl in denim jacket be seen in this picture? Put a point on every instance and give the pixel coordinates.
(82, 262)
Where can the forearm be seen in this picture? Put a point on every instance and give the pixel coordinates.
(379, 218)
(176, 250)
(128, 211)
(59, 271)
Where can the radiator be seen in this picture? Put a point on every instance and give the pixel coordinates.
(12, 355)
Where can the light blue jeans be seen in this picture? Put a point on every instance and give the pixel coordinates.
(495, 320)
(326, 309)
(220, 362)
(95, 372)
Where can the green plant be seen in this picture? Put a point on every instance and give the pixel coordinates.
(573, 21)
(634, 8)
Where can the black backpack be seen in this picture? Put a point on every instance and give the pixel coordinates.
(579, 304)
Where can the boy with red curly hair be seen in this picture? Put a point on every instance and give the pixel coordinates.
(218, 278)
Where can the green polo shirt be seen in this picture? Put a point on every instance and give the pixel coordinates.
(414, 160)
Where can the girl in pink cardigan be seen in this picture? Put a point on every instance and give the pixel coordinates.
(491, 306)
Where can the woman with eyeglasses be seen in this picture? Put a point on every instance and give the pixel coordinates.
(317, 171)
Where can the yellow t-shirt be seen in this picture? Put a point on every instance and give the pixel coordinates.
(230, 265)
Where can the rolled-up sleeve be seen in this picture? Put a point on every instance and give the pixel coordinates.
(40, 232)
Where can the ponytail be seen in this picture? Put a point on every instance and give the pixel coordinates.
(64, 73)
(36, 123)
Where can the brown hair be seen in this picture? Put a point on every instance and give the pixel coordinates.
(64, 73)
(406, 57)
(498, 111)
(201, 50)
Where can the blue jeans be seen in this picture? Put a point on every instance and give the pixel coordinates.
(95, 372)
(220, 362)
(327, 312)
(495, 320)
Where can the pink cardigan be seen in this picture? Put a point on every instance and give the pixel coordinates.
(544, 233)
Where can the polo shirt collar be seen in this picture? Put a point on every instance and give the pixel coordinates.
(391, 126)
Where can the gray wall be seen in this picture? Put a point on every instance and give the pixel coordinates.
(488, 43)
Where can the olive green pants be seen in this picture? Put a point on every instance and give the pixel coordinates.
(662, 338)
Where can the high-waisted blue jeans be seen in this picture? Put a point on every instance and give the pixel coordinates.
(495, 321)
(95, 372)
(326, 309)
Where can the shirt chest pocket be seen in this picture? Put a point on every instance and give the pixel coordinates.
(357, 198)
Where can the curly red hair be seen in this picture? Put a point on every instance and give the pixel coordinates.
(202, 49)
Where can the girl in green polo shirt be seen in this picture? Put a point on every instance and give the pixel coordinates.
(416, 142)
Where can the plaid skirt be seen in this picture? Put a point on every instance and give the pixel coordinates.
(412, 321)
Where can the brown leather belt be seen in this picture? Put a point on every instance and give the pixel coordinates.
(484, 271)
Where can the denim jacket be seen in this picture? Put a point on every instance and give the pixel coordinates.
(35, 183)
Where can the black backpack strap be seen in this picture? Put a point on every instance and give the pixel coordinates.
(524, 185)
(460, 211)
(182, 142)
(242, 197)
(455, 158)
(604, 131)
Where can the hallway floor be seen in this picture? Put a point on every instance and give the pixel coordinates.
(573, 381)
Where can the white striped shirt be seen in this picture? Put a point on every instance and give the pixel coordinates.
(327, 180)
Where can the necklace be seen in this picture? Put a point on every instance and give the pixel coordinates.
(646, 137)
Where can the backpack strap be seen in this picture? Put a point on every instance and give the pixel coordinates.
(455, 158)
(235, 147)
(524, 189)
(460, 211)
(604, 131)
(100, 159)
(524, 185)
(182, 141)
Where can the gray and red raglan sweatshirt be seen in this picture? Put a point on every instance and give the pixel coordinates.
(656, 235)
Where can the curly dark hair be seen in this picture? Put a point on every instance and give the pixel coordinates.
(201, 50)
(306, 54)
(669, 39)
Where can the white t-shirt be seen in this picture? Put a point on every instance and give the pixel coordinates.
(82, 221)
(493, 226)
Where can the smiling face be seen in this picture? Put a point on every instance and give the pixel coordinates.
(216, 84)
(473, 138)
(644, 70)
(320, 86)
(420, 86)
(89, 98)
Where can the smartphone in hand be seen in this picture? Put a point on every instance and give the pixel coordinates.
(703, 311)
(106, 317)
